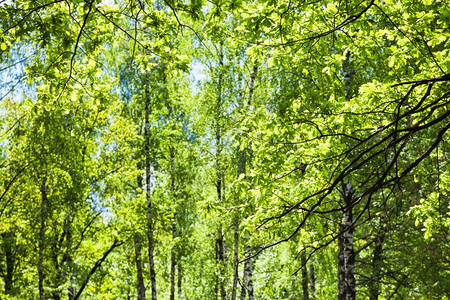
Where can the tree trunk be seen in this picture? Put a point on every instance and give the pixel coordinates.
(173, 261)
(244, 283)
(97, 265)
(244, 160)
(148, 174)
(375, 280)
(247, 284)
(346, 277)
(8, 246)
(347, 286)
(312, 281)
(221, 262)
(249, 275)
(140, 278)
(68, 258)
(241, 168)
(58, 279)
(180, 279)
(341, 264)
(304, 276)
(141, 290)
(42, 238)
(236, 258)
(220, 243)
(252, 83)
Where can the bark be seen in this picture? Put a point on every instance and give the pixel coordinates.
(252, 83)
(9, 242)
(220, 250)
(349, 252)
(341, 265)
(244, 160)
(347, 285)
(141, 290)
(346, 277)
(42, 238)
(180, 280)
(68, 258)
(304, 276)
(249, 275)
(55, 246)
(173, 261)
(221, 261)
(312, 281)
(244, 284)
(376, 270)
(66, 263)
(148, 174)
(236, 258)
(247, 282)
(140, 278)
(220, 186)
(216, 281)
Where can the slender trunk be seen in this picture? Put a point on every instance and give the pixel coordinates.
(68, 258)
(216, 278)
(173, 261)
(58, 279)
(221, 262)
(249, 275)
(140, 278)
(252, 83)
(341, 264)
(247, 284)
(42, 238)
(141, 290)
(9, 242)
(346, 252)
(349, 257)
(347, 285)
(375, 280)
(180, 280)
(236, 257)
(241, 169)
(304, 276)
(243, 161)
(349, 265)
(244, 283)
(148, 174)
(220, 243)
(97, 265)
(312, 281)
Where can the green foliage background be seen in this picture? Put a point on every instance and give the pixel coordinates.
(295, 99)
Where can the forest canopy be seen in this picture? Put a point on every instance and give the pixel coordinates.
(224, 149)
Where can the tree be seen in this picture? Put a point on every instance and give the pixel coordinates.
(317, 131)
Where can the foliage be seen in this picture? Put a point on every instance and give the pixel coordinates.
(251, 116)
